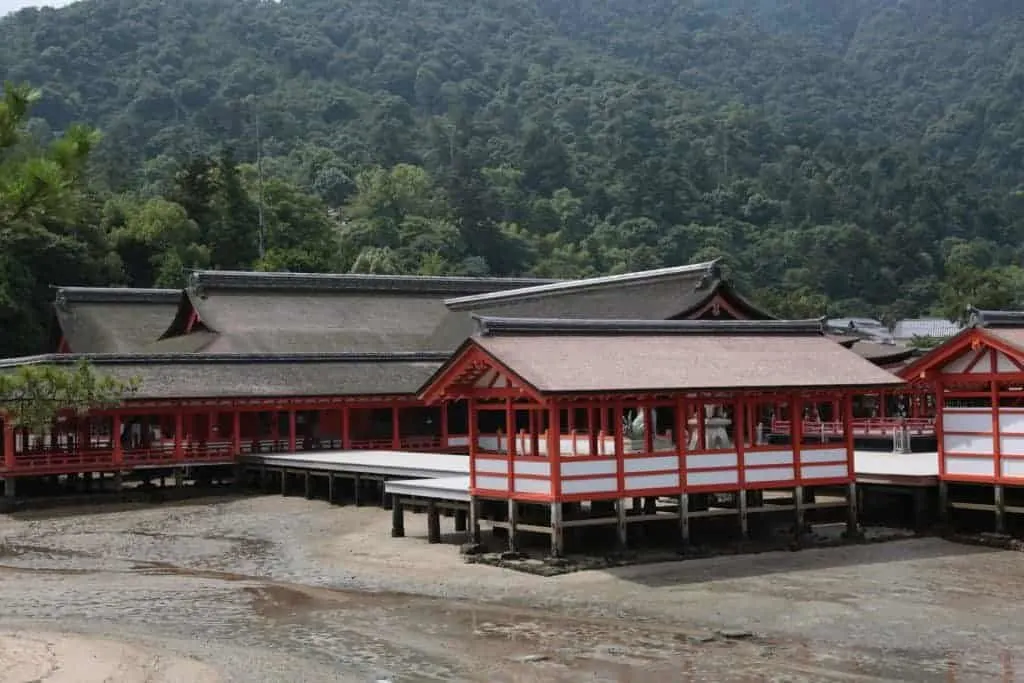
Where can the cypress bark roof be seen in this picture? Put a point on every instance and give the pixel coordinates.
(587, 356)
(186, 375)
(295, 312)
(113, 319)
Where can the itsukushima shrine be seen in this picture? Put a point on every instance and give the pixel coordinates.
(319, 373)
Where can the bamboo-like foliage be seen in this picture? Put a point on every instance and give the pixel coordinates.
(34, 395)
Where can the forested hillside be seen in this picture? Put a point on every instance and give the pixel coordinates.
(854, 156)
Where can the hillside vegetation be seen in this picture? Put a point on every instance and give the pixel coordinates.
(848, 156)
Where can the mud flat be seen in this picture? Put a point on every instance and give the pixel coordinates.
(284, 589)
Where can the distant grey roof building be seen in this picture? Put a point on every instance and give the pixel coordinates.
(938, 328)
(111, 319)
(871, 328)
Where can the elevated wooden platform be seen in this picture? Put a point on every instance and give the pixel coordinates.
(381, 463)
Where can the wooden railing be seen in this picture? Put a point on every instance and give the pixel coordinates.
(872, 426)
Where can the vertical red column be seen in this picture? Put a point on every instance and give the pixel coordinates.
(648, 428)
(115, 433)
(620, 464)
(797, 436)
(555, 452)
(236, 432)
(444, 424)
(291, 431)
(346, 428)
(212, 427)
(939, 438)
(739, 428)
(9, 461)
(396, 428)
(679, 429)
(510, 434)
(179, 436)
(471, 428)
(848, 436)
(997, 446)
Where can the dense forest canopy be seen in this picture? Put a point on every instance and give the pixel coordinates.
(844, 156)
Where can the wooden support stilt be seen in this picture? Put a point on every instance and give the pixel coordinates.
(798, 505)
(330, 488)
(179, 477)
(385, 497)
(620, 509)
(357, 484)
(921, 513)
(557, 532)
(284, 482)
(513, 523)
(460, 519)
(684, 518)
(1000, 502)
(308, 485)
(943, 502)
(852, 511)
(397, 518)
(474, 519)
(433, 523)
(10, 489)
(650, 505)
(741, 509)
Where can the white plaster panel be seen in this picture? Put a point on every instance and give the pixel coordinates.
(1004, 364)
(984, 364)
(967, 443)
(533, 486)
(632, 465)
(703, 461)
(824, 472)
(458, 440)
(489, 465)
(967, 420)
(1011, 445)
(1013, 468)
(488, 443)
(540, 468)
(823, 455)
(1011, 422)
(492, 483)
(712, 478)
(978, 467)
(574, 486)
(587, 467)
(960, 363)
(652, 481)
(769, 458)
(769, 474)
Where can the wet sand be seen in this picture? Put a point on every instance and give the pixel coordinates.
(290, 590)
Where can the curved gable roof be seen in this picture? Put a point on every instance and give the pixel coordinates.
(113, 319)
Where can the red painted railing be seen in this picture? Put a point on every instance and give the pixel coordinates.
(872, 426)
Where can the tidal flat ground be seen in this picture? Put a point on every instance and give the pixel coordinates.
(285, 590)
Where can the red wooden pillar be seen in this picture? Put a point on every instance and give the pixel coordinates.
(291, 431)
(739, 427)
(679, 428)
(211, 427)
(570, 420)
(535, 424)
(9, 461)
(346, 428)
(997, 446)
(396, 429)
(236, 432)
(444, 424)
(179, 436)
(835, 410)
(848, 435)
(592, 431)
(797, 436)
(940, 404)
(555, 453)
(116, 435)
(510, 434)
(648, 427)
(620, 448)
(471, 428)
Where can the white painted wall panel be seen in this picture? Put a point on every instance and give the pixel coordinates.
(1004, 364)
(712, 478)
(541, 486)
(458, 441)
(1011, 422)
(967, 420)
(652, 481)
(711, 460)
(538, 467)
(1011, 445)
(984, 364)
(576, 486)
(769, 474)
(823, 455)
(651, 464)
(824, 471)
(491, 466)
(966, 443)
(1013, 468)
(492, 483)
(769, 458)
(585, 467)
(960, 363)
(977, 467)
